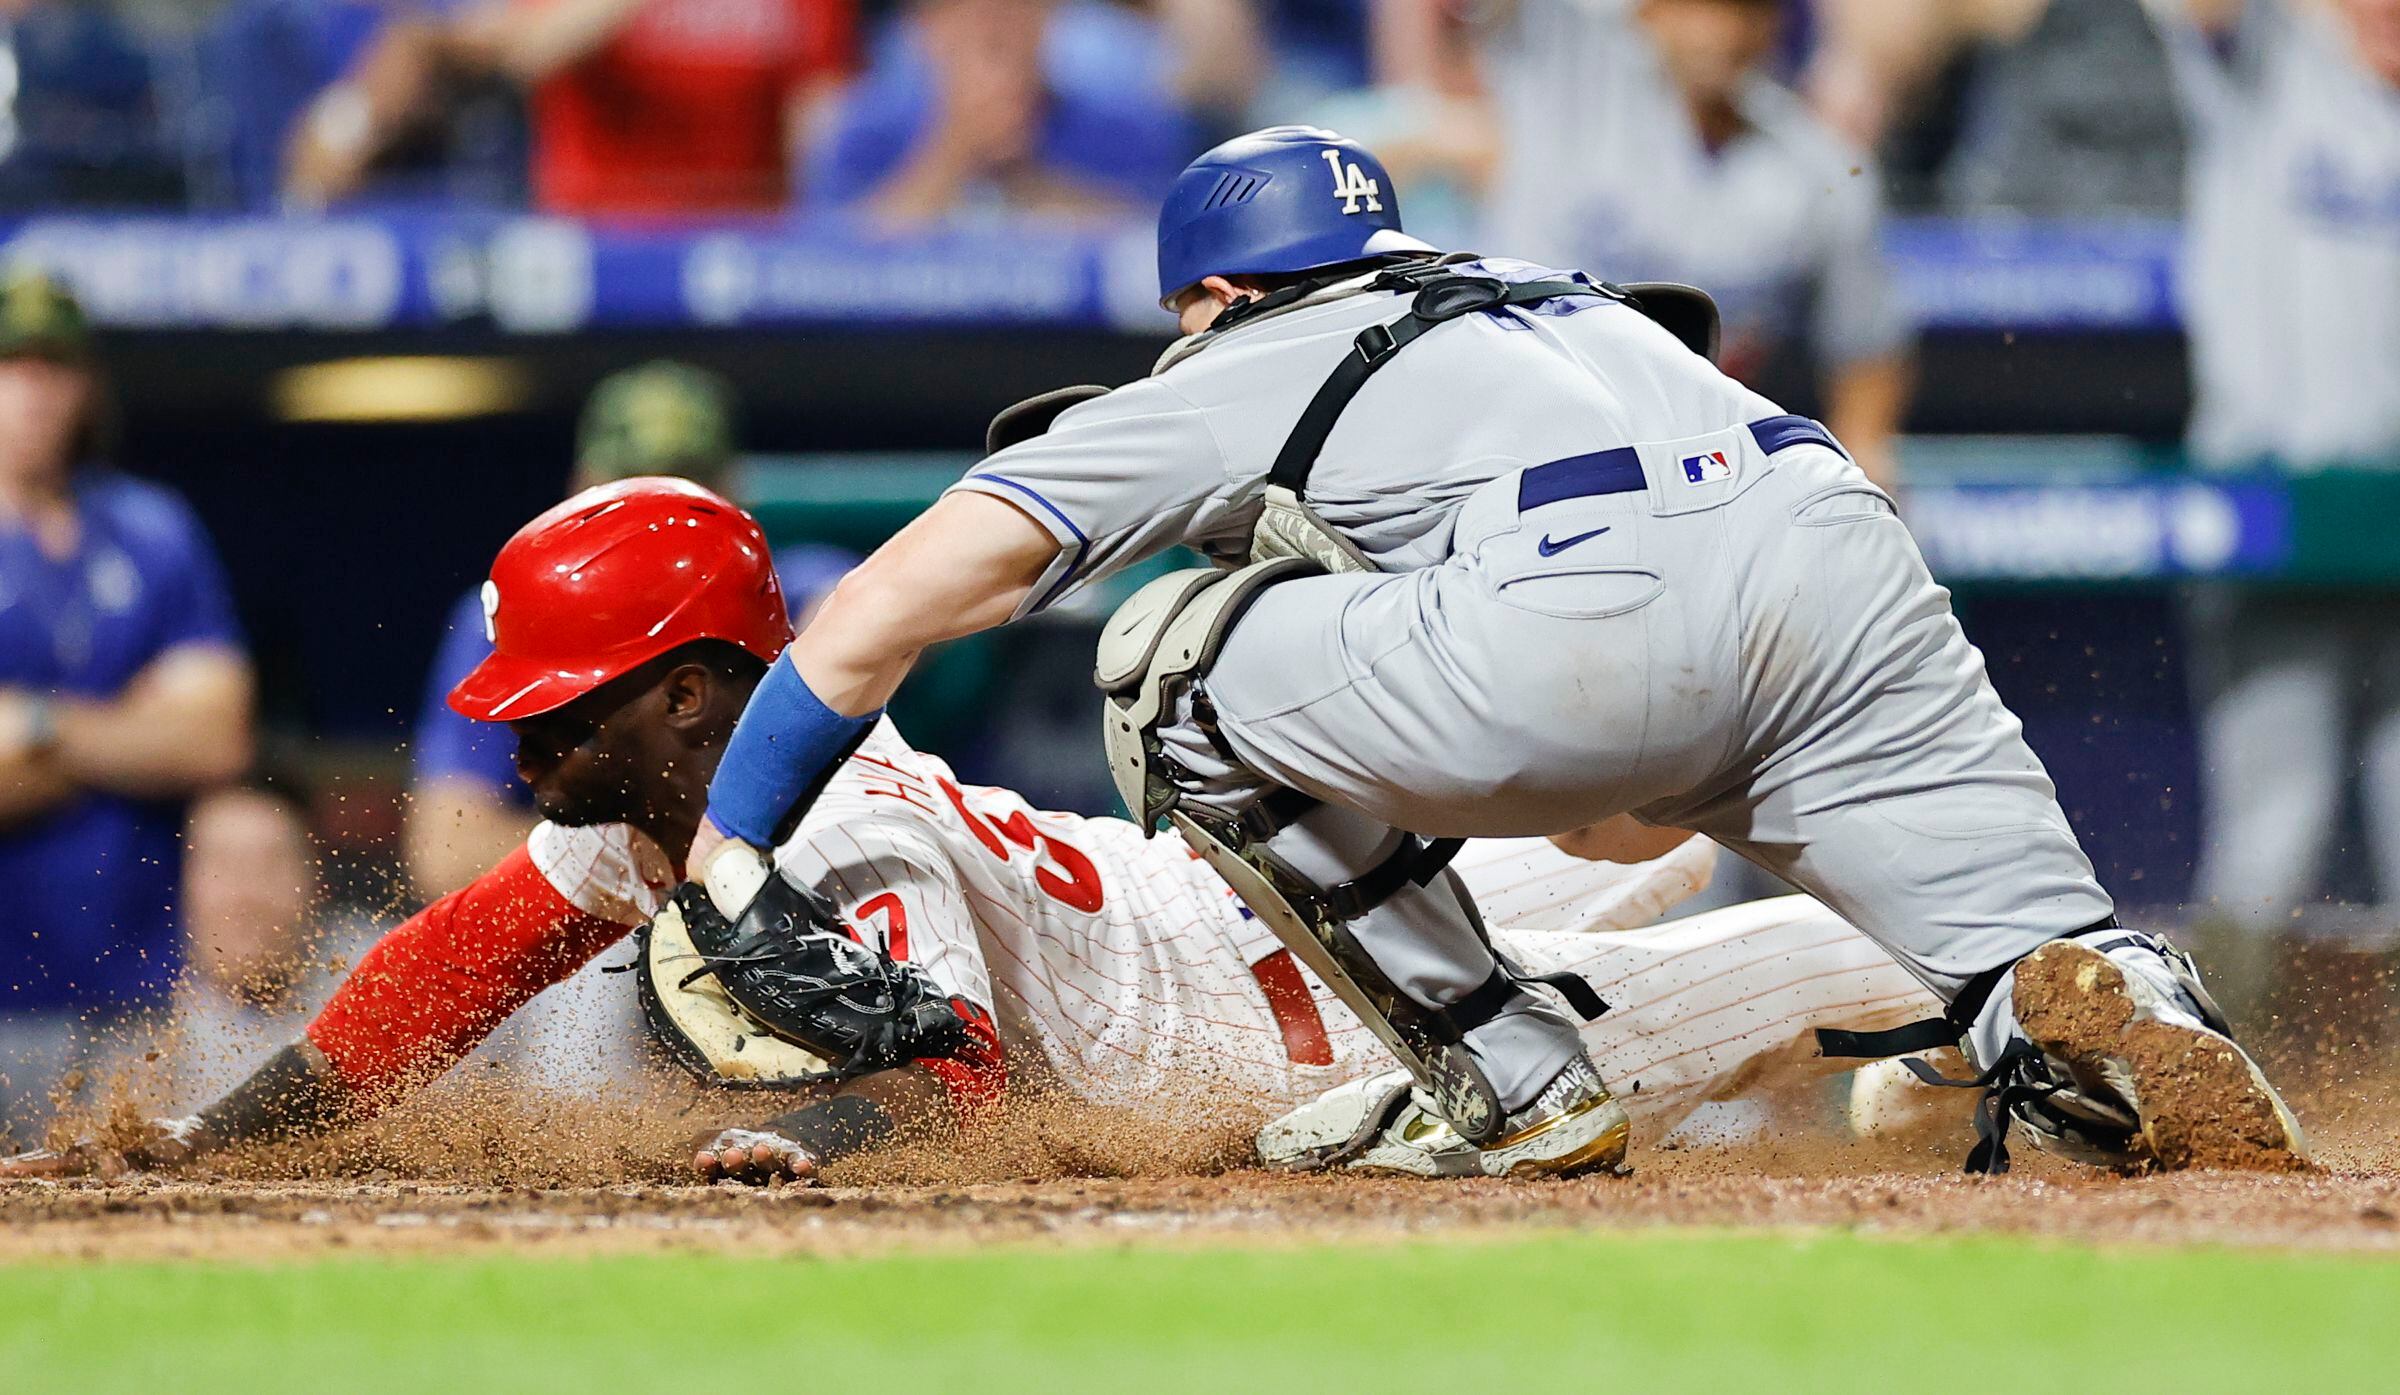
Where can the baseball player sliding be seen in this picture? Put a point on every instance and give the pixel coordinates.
(629, 624)
(1505, 554)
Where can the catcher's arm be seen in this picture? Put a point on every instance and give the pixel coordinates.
(963, 566)
(423, 997)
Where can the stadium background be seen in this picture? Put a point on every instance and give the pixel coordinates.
(363, 400)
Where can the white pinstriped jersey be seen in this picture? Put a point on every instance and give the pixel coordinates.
(1144, 978)
(1132, 960)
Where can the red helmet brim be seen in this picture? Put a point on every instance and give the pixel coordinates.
(506, 689)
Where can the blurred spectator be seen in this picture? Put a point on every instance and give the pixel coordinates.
(1049, 106)
(263, 66)
(2292, 298)
(249, 900)
(468, 809)
(1223, 59)
(1640, 139)
(78, 120)
(1425, 115)
(2056, 107)
(123, 691)
(1314, 49)
(638, 107)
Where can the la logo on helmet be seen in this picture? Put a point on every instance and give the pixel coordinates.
(1350, 184)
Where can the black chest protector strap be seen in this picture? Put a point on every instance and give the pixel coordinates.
(1442, 295)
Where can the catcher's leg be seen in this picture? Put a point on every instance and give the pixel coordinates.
(1368, 908)
(1709, 1003)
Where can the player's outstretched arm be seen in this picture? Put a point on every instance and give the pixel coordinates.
(423, 997)
(963, 566)
(294, 1093)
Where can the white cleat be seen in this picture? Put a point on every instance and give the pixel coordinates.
(1381, 1125)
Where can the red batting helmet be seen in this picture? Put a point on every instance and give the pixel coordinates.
(608, 581)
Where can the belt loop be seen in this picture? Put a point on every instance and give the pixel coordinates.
(1783, 432)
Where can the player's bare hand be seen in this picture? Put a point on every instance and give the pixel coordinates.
(754, 1156)
(163, 1144)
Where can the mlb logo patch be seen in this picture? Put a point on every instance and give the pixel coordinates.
(1700, 469)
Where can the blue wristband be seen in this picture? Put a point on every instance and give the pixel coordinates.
(782, 747)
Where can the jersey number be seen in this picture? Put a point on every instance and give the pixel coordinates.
(1350, 185)
(1069, 878)
(895, 922)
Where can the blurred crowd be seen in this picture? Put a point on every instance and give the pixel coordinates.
(916, 109)
(1748, 146)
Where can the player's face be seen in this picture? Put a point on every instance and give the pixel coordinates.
(587, 762)
(1710, 46)
(42, 405)
(2375, 26)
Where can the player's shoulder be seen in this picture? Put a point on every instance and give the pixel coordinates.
(139, 509)
(885, 750)
(1517, 270)
(888, 798)
(1781, 117)
(1277, 349)
(1617, 329)
(466, 612)
(1160, 422)
(611, 870)
(1142, 400)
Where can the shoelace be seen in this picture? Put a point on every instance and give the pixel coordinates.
(2018, 1077)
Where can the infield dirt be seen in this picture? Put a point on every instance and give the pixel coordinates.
(454, 1178)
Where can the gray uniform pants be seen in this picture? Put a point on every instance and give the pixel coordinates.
(1760, 656)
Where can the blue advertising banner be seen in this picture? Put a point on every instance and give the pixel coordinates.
(2123, 531)
(535, 275)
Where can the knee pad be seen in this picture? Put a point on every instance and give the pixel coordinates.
(1152, 651)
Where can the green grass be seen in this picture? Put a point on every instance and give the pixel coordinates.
(1644, 1312)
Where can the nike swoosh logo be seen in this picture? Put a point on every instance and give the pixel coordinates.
(1551, 549)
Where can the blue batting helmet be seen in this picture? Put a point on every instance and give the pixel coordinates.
(1285, 199)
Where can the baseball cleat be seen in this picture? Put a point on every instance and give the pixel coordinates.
(2194, 1099)
(1382, 1125)
(1573, 1126)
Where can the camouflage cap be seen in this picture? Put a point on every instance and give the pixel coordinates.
(662, 418)
(40, 318)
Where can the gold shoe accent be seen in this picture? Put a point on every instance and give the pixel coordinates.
(1604, 1149)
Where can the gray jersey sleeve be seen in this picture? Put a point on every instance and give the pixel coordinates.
(2217, 72)
(1115, 480)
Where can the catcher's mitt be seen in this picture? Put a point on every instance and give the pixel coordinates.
(784, 998)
